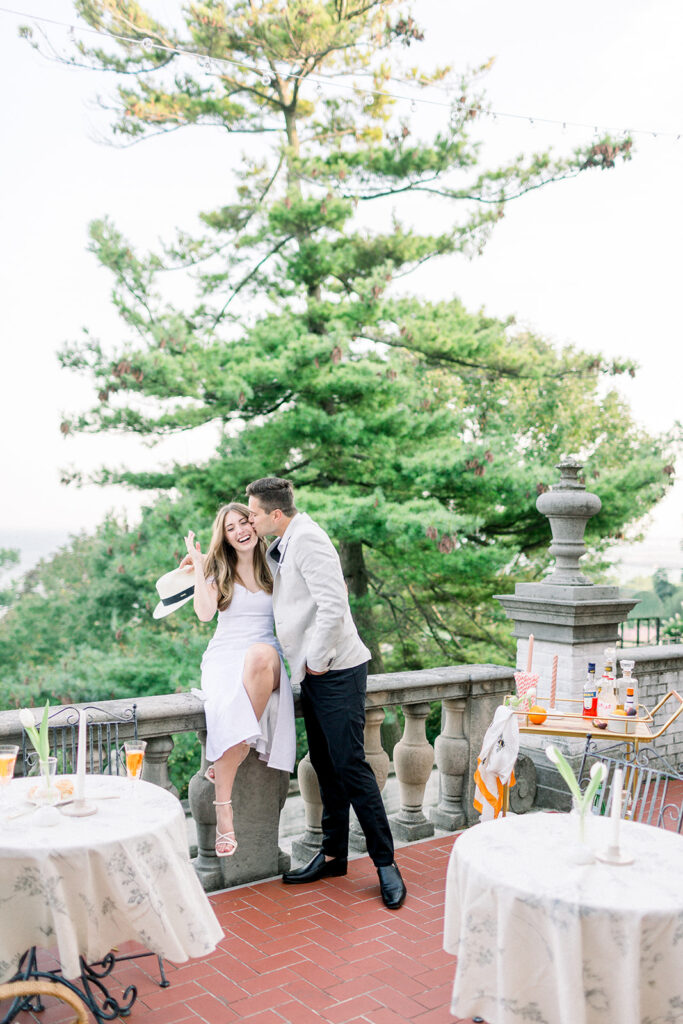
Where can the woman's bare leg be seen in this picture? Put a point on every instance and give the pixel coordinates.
(261, 675)
(225, 770)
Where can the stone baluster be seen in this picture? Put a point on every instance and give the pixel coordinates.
(378, 759)
(308, 844)
(155, 765)
(451, 751)
(413, 760)
(201, 795)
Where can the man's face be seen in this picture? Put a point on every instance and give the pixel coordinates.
(261, 520)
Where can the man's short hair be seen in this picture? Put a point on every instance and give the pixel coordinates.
(273, 492)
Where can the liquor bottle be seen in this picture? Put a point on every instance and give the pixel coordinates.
(608, 697)
(628, 680)
(590, 693)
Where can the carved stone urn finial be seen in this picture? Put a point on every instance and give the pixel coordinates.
(568, 506)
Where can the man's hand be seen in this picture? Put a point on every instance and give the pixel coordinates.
(310, 672)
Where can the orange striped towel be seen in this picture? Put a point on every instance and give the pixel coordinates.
(495, 763)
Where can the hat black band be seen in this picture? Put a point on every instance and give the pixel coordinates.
(178, 597)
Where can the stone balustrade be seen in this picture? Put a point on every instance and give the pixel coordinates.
(470, 695)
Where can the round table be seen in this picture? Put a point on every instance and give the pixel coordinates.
(544, 940)
(90, 883)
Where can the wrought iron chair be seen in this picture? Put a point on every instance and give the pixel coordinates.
(104, 744)
(653, 790)
(19, 991)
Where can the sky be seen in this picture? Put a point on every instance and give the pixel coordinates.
(594, 261)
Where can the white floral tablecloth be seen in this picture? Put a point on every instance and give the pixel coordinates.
(545, 941)
(88, 884)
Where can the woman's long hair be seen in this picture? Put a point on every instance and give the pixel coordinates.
(221, 559)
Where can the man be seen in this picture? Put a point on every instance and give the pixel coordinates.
(327, 657)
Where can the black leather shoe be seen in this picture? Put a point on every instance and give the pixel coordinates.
(391, 886)
(315, 869)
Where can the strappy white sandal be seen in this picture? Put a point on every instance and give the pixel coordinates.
(225, 838)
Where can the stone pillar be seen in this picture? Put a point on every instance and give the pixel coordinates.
(451, 751)
(155, 765)
(567, 614)
(307, 845)
(413, 760)
(378, 759)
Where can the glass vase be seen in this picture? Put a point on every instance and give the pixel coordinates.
(581, 852)
(47, 792)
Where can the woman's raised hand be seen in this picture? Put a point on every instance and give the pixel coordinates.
(194, 556)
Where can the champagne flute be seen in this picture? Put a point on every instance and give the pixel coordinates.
(135, 755)
(8, 759)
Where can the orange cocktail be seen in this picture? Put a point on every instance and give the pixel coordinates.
(134, 760)
(8, 759)
(135, 755)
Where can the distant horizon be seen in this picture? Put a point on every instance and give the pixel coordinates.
(635, 560)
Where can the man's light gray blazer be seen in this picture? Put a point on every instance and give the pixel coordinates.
(310, 602)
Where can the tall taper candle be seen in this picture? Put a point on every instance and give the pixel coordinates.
(617, 785)
(79, 793)
(553, 682)
(530, 652)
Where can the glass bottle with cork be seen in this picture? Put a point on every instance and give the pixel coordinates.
(628, 686)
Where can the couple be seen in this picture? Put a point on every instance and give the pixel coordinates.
(243, 673)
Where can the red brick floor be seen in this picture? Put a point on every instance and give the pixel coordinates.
(328, 952)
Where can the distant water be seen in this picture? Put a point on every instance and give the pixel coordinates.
(32, 545)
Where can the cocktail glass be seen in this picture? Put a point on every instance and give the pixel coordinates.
(135, 755)
(8, 759)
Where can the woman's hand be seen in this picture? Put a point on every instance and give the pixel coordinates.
(194, 558)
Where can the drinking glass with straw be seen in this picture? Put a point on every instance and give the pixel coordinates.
(527, 682)
(135, 755)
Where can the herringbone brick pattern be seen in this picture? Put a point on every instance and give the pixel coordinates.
(328, 952)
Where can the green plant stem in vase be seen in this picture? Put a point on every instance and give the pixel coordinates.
(581, 802)
(41, 744)
(48, 792)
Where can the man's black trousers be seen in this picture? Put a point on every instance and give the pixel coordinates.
(333, 705)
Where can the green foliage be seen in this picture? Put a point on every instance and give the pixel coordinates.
(184, 761)
(661, 599)
(672, 628)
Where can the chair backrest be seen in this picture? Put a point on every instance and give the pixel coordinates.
(104, 753)
(653, 790)
(21, 992)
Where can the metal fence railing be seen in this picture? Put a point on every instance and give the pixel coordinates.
(641, 632)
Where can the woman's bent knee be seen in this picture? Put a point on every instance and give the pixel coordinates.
(260, 658)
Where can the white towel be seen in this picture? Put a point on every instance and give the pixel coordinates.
(495, 763)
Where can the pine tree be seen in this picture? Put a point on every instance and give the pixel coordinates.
(418, 433)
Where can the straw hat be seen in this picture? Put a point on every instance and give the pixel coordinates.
(175, 588)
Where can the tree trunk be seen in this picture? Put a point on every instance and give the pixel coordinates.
(356, 576)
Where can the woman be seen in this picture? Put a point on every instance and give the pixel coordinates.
(244, 682)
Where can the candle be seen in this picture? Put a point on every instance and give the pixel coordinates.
(79, 793)
(530, 652)
(617, 785)
(553, 682)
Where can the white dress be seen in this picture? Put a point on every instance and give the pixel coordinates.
(230, 718)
